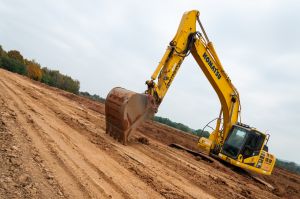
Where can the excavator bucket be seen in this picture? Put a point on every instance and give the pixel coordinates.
(125, 110)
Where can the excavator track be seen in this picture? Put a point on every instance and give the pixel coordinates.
(194, 153)
(124, 111)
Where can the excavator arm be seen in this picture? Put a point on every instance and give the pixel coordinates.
(187, 40)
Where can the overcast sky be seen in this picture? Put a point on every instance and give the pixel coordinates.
(107, 43)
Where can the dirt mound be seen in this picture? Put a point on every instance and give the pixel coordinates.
(53, 145)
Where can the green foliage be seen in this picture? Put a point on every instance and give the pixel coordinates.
(46, 78)
(12, 61)
(2, 52)
(176, 125)
(201, 133)
(12, 65)
(93, 97)
(181, 126)
(16, 55)
(290, 166)
(56, 79)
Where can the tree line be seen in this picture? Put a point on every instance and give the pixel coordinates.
(14, 61)
(182, 127)
(92, 97)
(290, 166)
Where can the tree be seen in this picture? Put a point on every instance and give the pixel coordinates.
(13, 65)
(2, 52)
(93, 97)
(56, 79)
(46, 77)
(176, 125)
(33, 70)
(201, 133)
(14, 54)
(291, 166)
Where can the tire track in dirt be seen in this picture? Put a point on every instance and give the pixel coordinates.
(178, 164)
(163, 185)
(67, 140)
(37, 180)
(163, 188)
(167, 178)
(112, 175)
(61, 155)
(45, 148)
(119, 156)
(183, 164)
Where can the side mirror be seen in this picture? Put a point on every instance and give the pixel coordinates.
(266, 148)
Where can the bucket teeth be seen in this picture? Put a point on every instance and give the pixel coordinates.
(125, 110)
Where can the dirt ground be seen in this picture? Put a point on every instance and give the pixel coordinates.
(53, 145)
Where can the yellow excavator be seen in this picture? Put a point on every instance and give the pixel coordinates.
(231, 141)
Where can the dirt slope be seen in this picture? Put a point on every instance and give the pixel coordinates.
(53, 145)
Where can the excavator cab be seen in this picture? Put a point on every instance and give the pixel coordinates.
(246, 147)
(243, 141)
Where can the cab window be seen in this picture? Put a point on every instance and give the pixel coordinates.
(235, 142)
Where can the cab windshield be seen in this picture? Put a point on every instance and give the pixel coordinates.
(235, 142)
